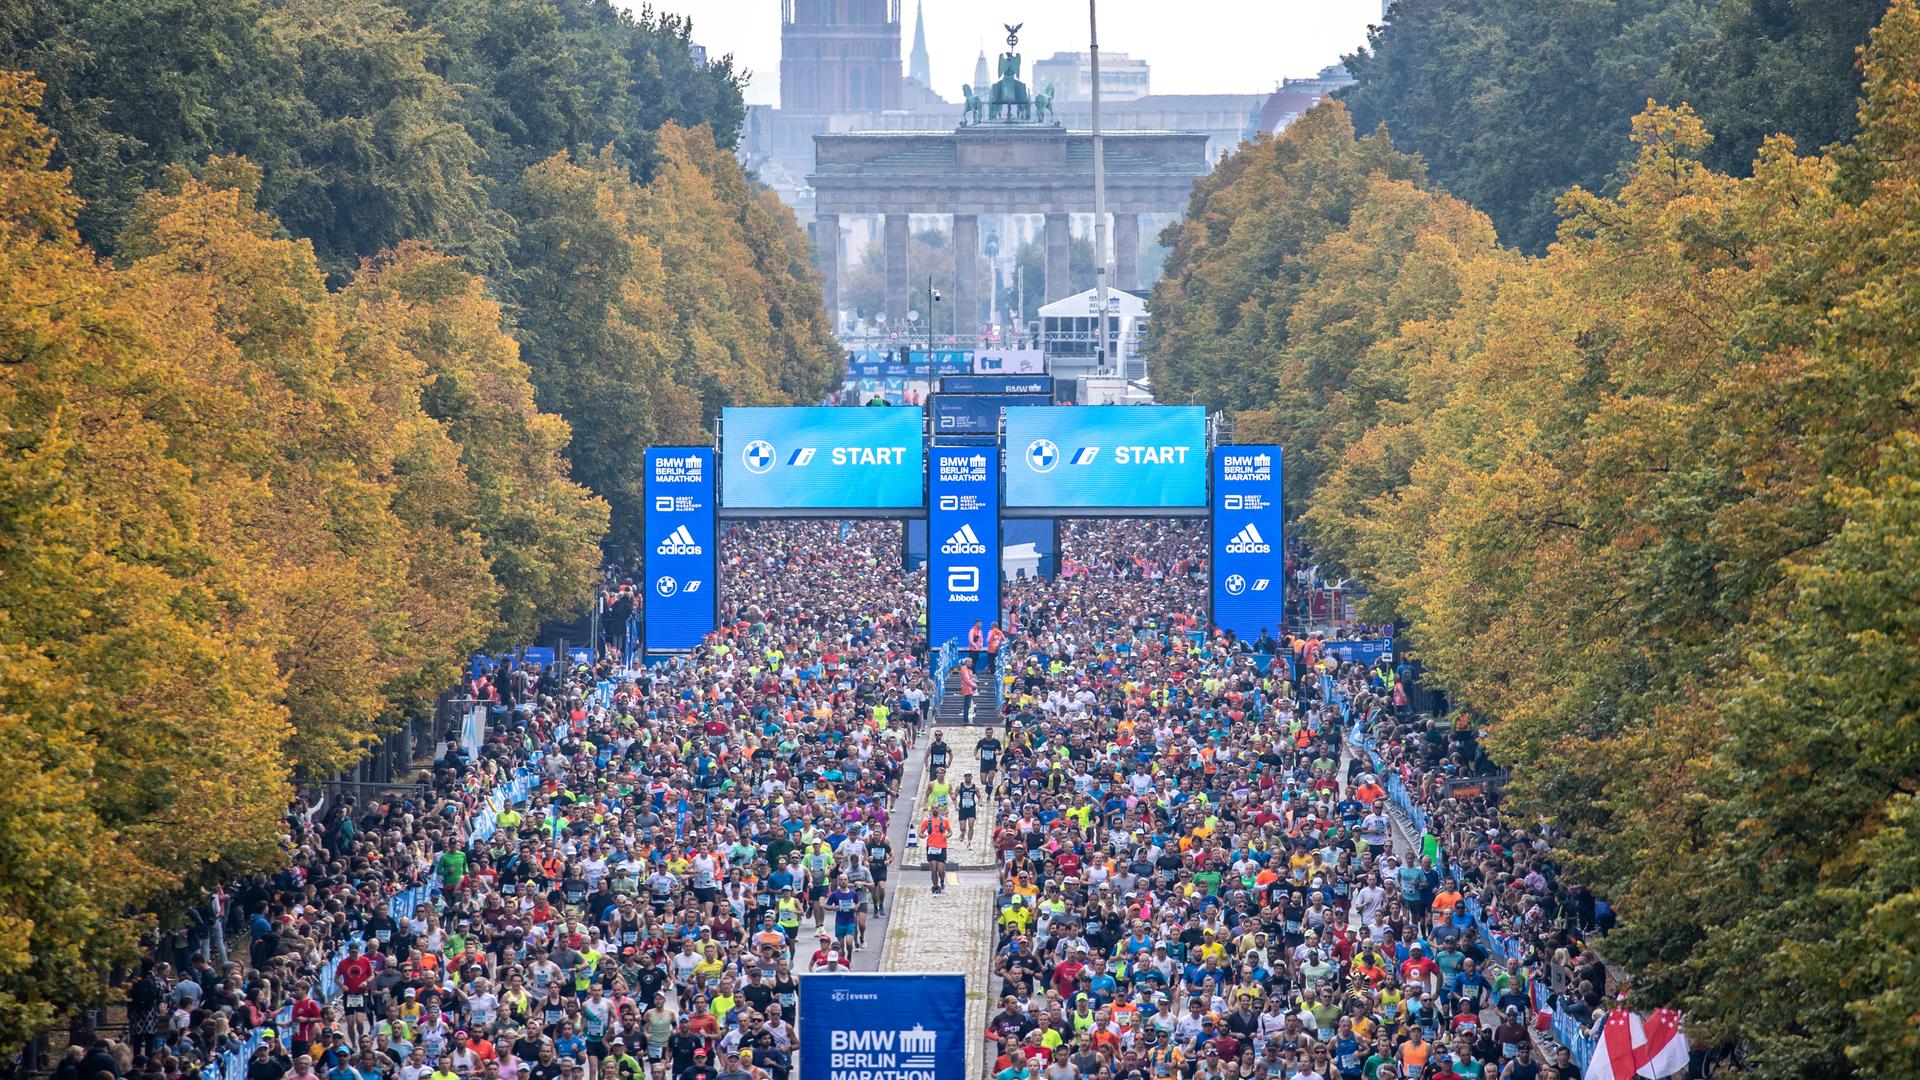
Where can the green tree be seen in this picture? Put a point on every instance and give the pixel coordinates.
(594, 328)
(1030, 262)
(1774, 67)
(375, 154)
(1510, 104)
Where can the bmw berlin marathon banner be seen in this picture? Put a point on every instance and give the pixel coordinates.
(815, 461)
(680, 552)
(1249, 562)
(883, 1027)
(1124, 459)
(963, 541)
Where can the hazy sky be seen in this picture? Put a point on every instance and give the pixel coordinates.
(1195, 47)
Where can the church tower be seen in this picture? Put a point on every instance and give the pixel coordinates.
(919, 65)
(980, 79)
(839, 56)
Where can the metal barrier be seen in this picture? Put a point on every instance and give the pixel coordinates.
(946, 658)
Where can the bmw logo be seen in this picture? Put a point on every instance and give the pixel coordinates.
(758, 456)
(666, 586)
(1235, 584)
(1042, 455)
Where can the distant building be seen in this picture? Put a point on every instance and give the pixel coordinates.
(1122, 78)
(699, 54)
(841, 71)
(839, 56)
(919, 64)
(1295, 96)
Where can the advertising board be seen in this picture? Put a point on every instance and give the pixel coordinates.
(1119, 459)
(1249, 560)
(680, 551)
(821, 460)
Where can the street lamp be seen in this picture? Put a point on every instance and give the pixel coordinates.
(1099, 181)
(933, 297)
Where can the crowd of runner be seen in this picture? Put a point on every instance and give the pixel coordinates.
(1198, 870)
(1199, 867)
(696, 836)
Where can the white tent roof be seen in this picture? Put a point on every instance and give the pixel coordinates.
(1081, 305)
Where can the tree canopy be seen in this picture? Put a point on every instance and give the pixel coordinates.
(1512, 103)
(333, 332)
(1645, 502)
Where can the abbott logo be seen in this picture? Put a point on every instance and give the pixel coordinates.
(963, 579)
(1248, 541)
(964, 541)
(679, 542)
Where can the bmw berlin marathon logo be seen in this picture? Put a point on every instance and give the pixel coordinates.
(883, 1054)
(964, 541)
(1248, 541)
(679, 542)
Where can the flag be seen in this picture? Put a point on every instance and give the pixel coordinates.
(1629, 1046)
(1613, 1055)
(1666, 1050)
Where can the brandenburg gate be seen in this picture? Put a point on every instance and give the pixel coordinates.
(1008, 156)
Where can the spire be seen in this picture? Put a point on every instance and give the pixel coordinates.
(980, 74)
(919, 67)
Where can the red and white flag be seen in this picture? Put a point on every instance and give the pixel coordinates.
(1613, 1055)
(1665, 1050)
(1631, 1047)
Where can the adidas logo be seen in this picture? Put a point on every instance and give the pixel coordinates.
(678, 542)
(964, 541)
(1248, 541)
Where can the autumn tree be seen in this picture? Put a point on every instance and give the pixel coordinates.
(145, 726)
(1236, 269)
(539, 529)
(645, 309)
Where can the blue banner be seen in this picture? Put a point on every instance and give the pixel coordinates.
(1361, 650)
(1107, 456)
(956, 361)
(974, 414)
(821, 459)
(883, 1027)
(963, 537)
(680, 549)
(1249, 560)
(997, 384)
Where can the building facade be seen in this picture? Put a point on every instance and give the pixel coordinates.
(839, 56)
(1122, 78)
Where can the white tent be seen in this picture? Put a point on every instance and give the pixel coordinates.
(1081, 305)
